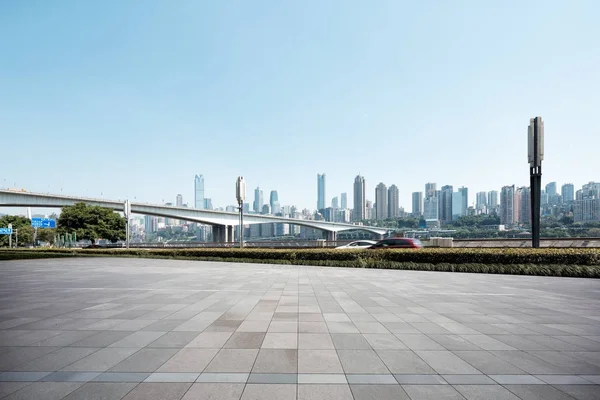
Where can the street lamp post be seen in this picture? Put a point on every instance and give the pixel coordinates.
(240, 194)
(535, 156)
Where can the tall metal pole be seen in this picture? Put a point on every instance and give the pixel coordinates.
(536, 155)
(10, 236)
(127, 212)
(240, 194)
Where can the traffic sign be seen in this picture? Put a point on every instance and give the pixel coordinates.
(43, 223)
(6, 231)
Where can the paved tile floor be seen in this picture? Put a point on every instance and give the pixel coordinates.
(156, 329)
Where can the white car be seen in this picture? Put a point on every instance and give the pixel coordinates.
(359, 244)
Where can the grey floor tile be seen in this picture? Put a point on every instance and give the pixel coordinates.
(7, 388)
(581, 392)
(378, 392)
(319, 362)
(145, 360)
(269, 392)
(320, 379)
(101, 390)
(537, 392)
(406, 379)
(158, 391)
(276, 361)
(432, 392)
(210, 340)
(446, 362)
(592, 378)
(233, 360)
(454, 342)
(101, 339)
(23, 376)
(223, 377)
(224, 326)
(488, 363)
(138, 339)
(563, 379)
(164, 325)
(419, 342)
(316, 341)
(276, 340)
(330, 392)
(214, 391)
(273, 378)
(121, 377)
(58, 359)
(478, 392)
(66, 338)
(350, 341)
(342, 327)
(189, 360)
(517, 379)
(245, 340)
(45, 390)
(67, 376)
(254, 326)
(172, 377)
(371, 379)
(469, 379)
(384, 341)
(174, 340)
(362, 362)
(312, 327)
(101, 360)
(20, 355)
(404, 362)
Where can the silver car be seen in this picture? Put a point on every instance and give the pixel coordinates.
(359, 244)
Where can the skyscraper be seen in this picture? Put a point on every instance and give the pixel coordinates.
(393, 202)
(568, 192)
(274, 202)
(524, 196)
(430, 190)
(360, 203)
(465, 200)
(320, 191)
(381, 201)
(507, 205)
(417, 204)
(446, 215)
(208, 204)
(457, 202)
(258, 200)
(344, 203)
(335, 203)
(551, 189)
(430, 209)
(199, 192)
(492, 200)
(481, 200)
(179, 201)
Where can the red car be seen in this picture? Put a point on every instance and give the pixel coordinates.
(398, 243)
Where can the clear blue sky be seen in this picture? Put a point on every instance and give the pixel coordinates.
(132, 99)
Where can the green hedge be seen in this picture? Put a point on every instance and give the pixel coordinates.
(550, 262)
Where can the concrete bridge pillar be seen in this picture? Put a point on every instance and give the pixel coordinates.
(229, 234)
(219, 233)
(331, 236)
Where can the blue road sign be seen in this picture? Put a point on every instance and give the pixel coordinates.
(43, 223)
(5, 231)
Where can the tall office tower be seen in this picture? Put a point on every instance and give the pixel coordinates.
(360, 203)
(524, 196)
(465, 199)
(381, 197)
(335, 203)
(417, 204)
(150, 224)
(393, 202)
(344, 202)
(199, 192)
(430, 209)
(492, 199)
(208, 204)
(430, 190)
(258, 200)
(320, 191)
(457, 202)
(369, 210)
(274, 202)
(266, 209)
(568, 192)
(179, 201)
(446, 195)
(507, 205)
(481, 200)
(551, 189)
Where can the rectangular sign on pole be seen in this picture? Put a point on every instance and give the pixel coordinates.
(5, 231)
(43, 223)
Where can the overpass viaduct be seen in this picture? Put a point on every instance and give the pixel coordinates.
(222, 222)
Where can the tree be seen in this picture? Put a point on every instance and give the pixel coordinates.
(22, 224)
(91, 223)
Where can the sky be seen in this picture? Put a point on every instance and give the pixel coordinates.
(132, 99)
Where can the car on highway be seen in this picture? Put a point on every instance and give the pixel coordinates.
(359, 244)
(397, 243)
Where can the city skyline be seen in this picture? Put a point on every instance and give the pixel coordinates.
(102, 99)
